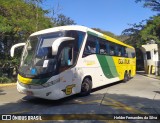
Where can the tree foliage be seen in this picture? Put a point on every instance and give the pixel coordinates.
(142, 33)
(134, 34)
(152, 4)
(62, 20)
(18, 19)
(151, 30)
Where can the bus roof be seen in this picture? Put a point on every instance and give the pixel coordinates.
(83, 29)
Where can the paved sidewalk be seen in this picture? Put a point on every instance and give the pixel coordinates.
(148, 75)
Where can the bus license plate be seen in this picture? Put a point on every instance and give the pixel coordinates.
(29, 93)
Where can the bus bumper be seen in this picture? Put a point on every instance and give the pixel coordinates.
(51, 92)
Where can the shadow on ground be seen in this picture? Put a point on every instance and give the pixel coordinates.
(93, 104)
(2, 92)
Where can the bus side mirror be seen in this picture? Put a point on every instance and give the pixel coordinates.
(57, 43)
(14, 47)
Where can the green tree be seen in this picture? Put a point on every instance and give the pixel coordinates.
(153, 4)
(18, 19)
(62, 20)
(151, 30)
(133, 34)
(142, 33)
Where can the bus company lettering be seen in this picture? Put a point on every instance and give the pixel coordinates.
(123, 61)
(89, 62)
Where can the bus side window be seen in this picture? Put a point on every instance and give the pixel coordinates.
(125, 52)
(112, 50)
(65, 58)
(91, 46)
(119, 49)
(130, 52)
(102, 49)
(133, 54)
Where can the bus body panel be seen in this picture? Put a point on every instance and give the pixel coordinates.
(114, 71)
(52, 92)
(66, 84)
(70, 82)
(92, 67)
(124, 64)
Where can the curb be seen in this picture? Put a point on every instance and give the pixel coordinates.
(154, 77)
(150, 76)
(6, 85)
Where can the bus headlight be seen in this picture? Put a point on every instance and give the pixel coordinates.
(50, 83)
(29, 86)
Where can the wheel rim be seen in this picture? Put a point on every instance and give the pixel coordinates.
(85, 87)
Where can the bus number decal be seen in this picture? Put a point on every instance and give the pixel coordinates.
(123, 61)
(68, 89)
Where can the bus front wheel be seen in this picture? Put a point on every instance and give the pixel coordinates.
(86, 87)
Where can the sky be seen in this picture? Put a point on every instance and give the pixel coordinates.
(108, 15)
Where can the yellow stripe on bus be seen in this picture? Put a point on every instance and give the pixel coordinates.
(24, 80)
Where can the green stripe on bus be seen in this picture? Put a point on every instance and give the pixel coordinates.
(105, 66)
(39, 81)
(91, 33)
(112, 66)
(94, 34)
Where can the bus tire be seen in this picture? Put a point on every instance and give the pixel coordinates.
(129, 75)
(86, 87)
(126, 78)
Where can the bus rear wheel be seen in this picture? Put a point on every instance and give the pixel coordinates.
(86, 87)
(126, 78)
(129, 75)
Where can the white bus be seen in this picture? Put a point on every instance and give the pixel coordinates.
(62, 61)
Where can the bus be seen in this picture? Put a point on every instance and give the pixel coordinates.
(67, 60)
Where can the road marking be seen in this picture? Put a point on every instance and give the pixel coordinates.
(20, 112)
(94, 101)
(124, 106)
(115, 104)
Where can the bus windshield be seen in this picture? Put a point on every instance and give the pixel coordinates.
(37, 59)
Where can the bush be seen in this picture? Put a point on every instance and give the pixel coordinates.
(4, 80)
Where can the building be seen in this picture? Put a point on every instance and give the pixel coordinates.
(151, 58)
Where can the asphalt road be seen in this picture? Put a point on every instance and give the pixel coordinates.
(140, 95)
